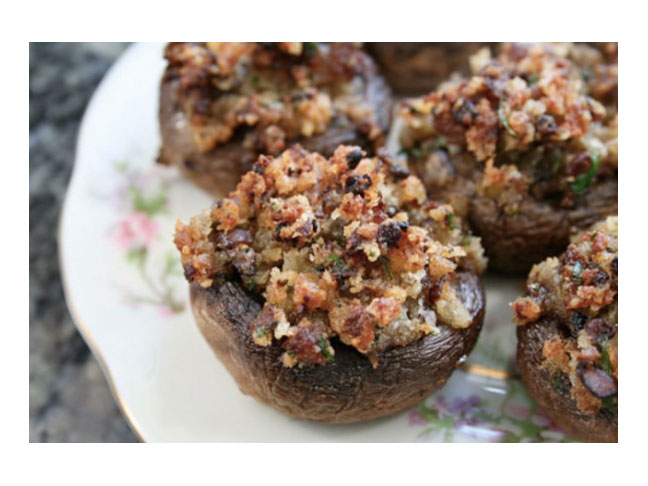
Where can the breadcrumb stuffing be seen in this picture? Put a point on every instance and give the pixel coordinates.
(579, 289)
(274, 93)
(346, 247)
(535, 121)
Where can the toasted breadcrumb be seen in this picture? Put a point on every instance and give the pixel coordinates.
(338, 247)
(535, 121)
(273, 93)
(579, 289)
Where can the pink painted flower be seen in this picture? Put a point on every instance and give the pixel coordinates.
(135, 231)
(415, 418)
(166, 311)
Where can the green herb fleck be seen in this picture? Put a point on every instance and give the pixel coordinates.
(261, 333)
(604, 360)
(337, 230)
(438, 142)
(583, 181)
(504, 121)
(533, 79)
(333, 257)
(450, 218)
(608, 404)
(251, 284)
(321, 342)
(411, 151)
(310, 48)
(577, 272)
(336, 259)
(255, 79)
(387, 269)
(559, 382)
(428, 147)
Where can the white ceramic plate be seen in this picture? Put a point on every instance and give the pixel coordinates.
(124, 287)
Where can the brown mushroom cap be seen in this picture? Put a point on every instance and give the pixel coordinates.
(219, 170)
(348, 389)
(539, 229)
(525, 189)
(557, 405)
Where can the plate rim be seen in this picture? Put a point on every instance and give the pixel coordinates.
(72, 308)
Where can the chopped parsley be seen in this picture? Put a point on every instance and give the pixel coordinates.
(559, 379)
(604, 360)
(504, 121)
(336, 259)
(533, 79)
(608, 403)
(583, 181)
(321, 342)
(438, 142)
(337, 230)
(310, 48)
(261, 333)
(411, 151)
(450, 218)
(387, 269)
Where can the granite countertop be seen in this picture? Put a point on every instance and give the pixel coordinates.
(69, 399)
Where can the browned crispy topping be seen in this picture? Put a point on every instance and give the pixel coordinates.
(579, 289)
(275, 92)
(338, 247)
(541, 119)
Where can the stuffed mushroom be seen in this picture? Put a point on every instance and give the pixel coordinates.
(222, 104)
(333, 289)
(525, 149)
(568, 335)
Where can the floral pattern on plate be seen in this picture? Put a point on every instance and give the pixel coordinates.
(141, 197)
(509, 417)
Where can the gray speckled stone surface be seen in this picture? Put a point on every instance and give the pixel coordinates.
(69, 399)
